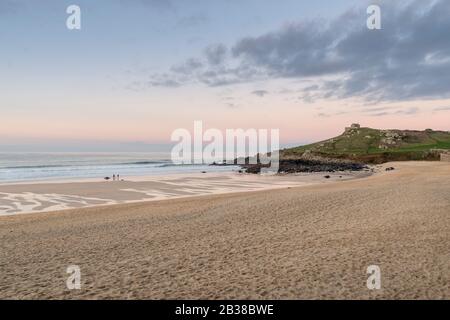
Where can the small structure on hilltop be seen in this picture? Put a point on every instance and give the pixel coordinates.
(353, 128)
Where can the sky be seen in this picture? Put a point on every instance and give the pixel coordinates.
(139, 69)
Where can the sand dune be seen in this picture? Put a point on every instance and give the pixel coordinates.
(300, 243)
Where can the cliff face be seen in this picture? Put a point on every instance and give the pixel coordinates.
(377, 146)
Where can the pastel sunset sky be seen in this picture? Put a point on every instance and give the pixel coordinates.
(139, 69)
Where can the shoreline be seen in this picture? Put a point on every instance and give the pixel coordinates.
(98, 179)
(139, 177)
(79, 192)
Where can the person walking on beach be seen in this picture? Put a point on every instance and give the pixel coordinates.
(114, 177)
(118, 177)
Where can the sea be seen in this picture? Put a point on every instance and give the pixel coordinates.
(23, 167)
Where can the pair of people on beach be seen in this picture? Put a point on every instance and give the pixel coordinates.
(116, 176)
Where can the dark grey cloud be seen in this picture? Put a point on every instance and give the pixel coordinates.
(409, 111)
(188, 66)
(216, 54)
(408, 59)
(376, 112)
(328, 115)
(260, 93)
(406, 112)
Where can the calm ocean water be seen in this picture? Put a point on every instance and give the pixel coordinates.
(50, 166)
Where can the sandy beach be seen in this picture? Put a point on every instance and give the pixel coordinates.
(304, 241)
(44, 196)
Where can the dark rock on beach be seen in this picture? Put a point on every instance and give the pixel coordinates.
(304, 165)
(296, 165)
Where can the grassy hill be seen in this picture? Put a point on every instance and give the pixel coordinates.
(377, 146)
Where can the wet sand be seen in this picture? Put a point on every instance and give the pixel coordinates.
(308, 242)
(22, 197)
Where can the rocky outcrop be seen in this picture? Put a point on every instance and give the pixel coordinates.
(391, 138)
(305, 165)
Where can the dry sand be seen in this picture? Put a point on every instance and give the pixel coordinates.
(300, 243)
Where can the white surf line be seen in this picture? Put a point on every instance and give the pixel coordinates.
(28, 202)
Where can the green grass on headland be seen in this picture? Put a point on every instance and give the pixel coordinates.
(378, 146)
